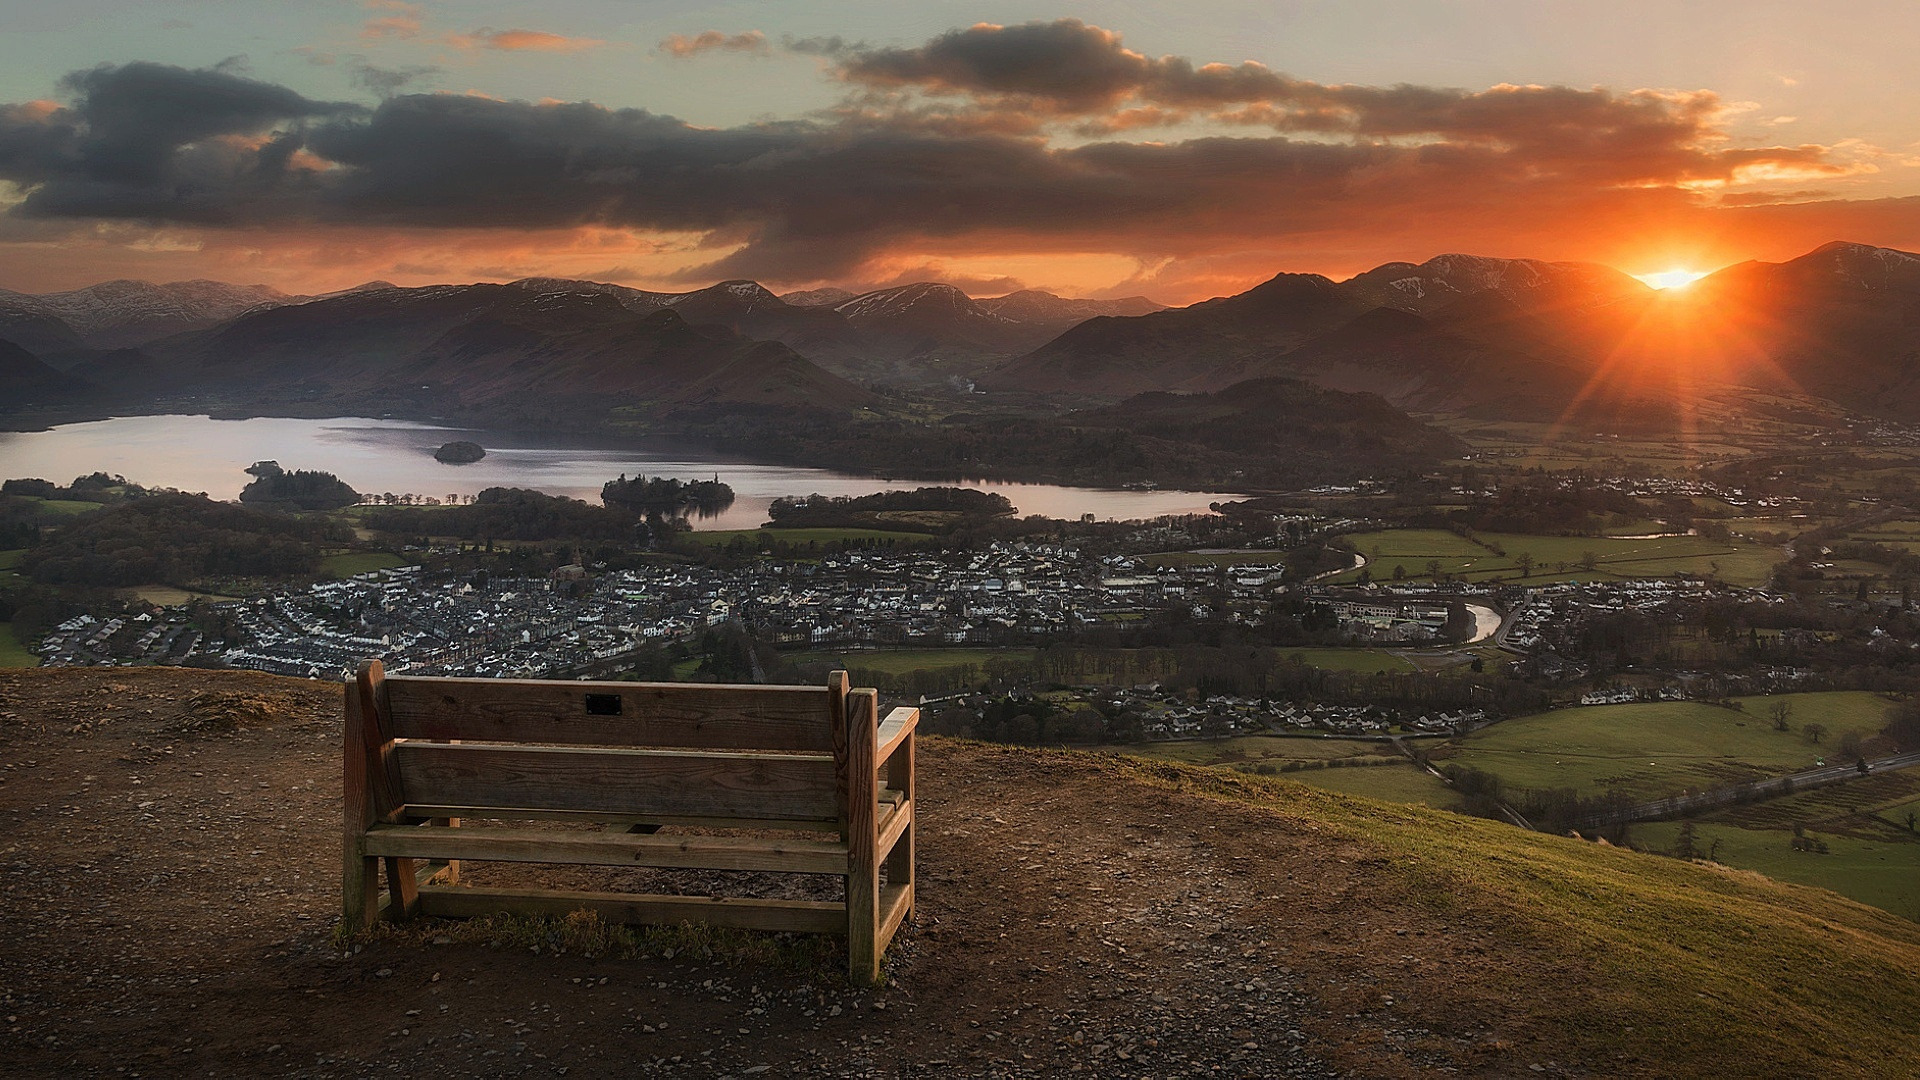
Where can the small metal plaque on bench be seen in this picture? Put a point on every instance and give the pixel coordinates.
(603, 704)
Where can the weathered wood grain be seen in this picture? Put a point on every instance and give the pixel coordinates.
(651, 714)
(794, 856)
(617, 781)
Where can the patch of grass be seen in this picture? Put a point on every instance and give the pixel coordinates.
(68, 507)
(11, 559)
(14, 652)
(1615, 558)
(1360, 660)
(1258, 748)
(1884, 873)
(168, 596)
(1652, 749)
(1693, 970)
(723, 537)
(1404, 782)
(349, 563)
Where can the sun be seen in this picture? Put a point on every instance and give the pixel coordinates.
(1672, 279)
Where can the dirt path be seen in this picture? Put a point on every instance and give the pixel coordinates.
(169, 897)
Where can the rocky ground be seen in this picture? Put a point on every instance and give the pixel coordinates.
(170, 842)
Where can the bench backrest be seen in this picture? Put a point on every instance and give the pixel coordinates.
(439, 747)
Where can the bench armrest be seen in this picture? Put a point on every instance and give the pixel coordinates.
(894, 730)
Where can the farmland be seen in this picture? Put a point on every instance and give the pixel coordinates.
(1657, 748)
(1418, 554)
(1871, 856)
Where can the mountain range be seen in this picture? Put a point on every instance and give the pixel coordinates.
(1521, 338)
(1456, 334)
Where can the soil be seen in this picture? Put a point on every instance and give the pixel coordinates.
(171, 850)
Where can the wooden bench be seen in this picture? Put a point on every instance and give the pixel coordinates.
(799, 766)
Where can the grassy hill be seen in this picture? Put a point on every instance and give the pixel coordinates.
(1078, 912)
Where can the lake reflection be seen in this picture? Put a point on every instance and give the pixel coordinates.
(197, 453)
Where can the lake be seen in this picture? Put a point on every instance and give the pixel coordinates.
(198, 453)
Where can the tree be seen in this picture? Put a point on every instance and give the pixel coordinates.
(1589, 560)
(1780, 711)
(1814, 732)
(1525, 560)
(1683, 844)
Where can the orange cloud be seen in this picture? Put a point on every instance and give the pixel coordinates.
(522, 41)
(751, 41)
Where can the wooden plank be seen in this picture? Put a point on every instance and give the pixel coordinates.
(863, 862)
(897, 839)
(799, 916)
(898, 727)
(612, 849)
(894, 821)
(557, 713)
(618, 781)
(896, 903)
(588, 817)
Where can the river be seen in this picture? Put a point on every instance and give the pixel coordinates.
(198, 453)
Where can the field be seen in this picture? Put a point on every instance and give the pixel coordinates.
(9, 560)
(723, 537)
(1402, 783)
(1556, 558)
(1361, 660)
(349, 563)
(1378, 772)
(1871, 856)
(1257, 748)
(13, 652)
(1657, 748)
(903, 661)
(168, 596)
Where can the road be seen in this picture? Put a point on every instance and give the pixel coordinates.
(1677, 805)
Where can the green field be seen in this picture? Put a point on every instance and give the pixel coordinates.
(1871, 856)
(349, 563)
(168, 596)
(723, 537)
(1654, 749)
(67, 507)
(8, 561)
(1556, 557)
(1360, 660)
(13, 652)
(1402, 783)
(1258, 748)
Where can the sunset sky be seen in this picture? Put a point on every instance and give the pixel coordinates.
(1180, 150)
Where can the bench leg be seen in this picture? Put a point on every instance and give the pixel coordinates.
(360, 889)
(863, 925)
(403, 889)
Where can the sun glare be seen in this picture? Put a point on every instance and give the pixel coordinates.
(1672, 279)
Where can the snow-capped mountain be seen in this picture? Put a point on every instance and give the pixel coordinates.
(116, 314)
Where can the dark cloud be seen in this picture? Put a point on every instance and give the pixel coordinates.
(840, 194)
(385, 81)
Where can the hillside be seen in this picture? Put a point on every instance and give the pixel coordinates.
(175, 837)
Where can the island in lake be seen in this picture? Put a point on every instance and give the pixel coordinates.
(460, 452)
